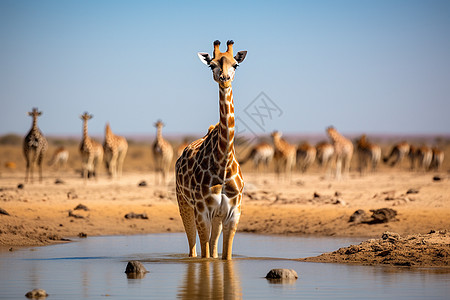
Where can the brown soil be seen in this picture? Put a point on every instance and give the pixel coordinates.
(418, 250)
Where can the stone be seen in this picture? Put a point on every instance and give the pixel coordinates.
(36, 293)
(437, 178)
(412, 191)
(132, 215)
(358, 216)
(71, 214)
(382, 215)
(282, 274)
(135, 269)
(142, 183)
(81, 207)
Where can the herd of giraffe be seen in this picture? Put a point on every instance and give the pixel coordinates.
(338, 152)
(208, 178)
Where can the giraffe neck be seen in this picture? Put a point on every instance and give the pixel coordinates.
(225, 141)
(85, 131)
(159, 134)
(277, 143)
(109, 136)
(34, 126)
(336, 137)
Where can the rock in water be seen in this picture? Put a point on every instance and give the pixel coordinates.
(135, 269)
(36, 294)
(282, 274)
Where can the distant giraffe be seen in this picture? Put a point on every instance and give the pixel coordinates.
(420, 157)
(162, 153)
(34, 147)
(306, 155)
(59, 158)
(324, 155)
(209, 182)
(284, 156)
(368, 153)
(437, 160)
(261, 154)
(397, 154)
(91, 151)
(343, 150)
(115, 148)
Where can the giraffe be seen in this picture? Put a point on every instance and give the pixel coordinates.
(209, 182)
(306, 155)
(367, 153)
(437, 159)
(261, 153)
(324, 154)
(343, 149)
(91, 151)
(422, 155)
(162, 152)
(397, 154)
(34, 147)
(284, 156)
(115, 148)
(59, 158)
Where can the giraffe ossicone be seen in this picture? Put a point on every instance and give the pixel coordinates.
(209, 181)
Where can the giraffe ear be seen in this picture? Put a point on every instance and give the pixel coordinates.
(240, 56)
(204, 57)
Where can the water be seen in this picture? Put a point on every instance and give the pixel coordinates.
(93, 268)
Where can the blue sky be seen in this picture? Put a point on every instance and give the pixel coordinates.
(362, 66)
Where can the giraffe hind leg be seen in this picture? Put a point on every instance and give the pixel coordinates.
(188, 218)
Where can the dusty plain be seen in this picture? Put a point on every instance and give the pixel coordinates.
(309, 204)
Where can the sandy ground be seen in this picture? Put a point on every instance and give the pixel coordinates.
(308, 204)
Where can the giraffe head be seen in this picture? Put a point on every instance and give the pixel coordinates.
(86, 116)
(35, 113)
(276, 135)
(331, 130)
(223, 64)
(159, 124)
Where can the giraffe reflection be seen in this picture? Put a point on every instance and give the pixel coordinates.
(211, 279)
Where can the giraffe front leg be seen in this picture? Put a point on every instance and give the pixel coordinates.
(27, 171)
(229, 230)
(204, 232)
(113, 165)
(338, 168)
(215, 233)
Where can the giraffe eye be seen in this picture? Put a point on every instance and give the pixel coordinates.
(212, 67)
